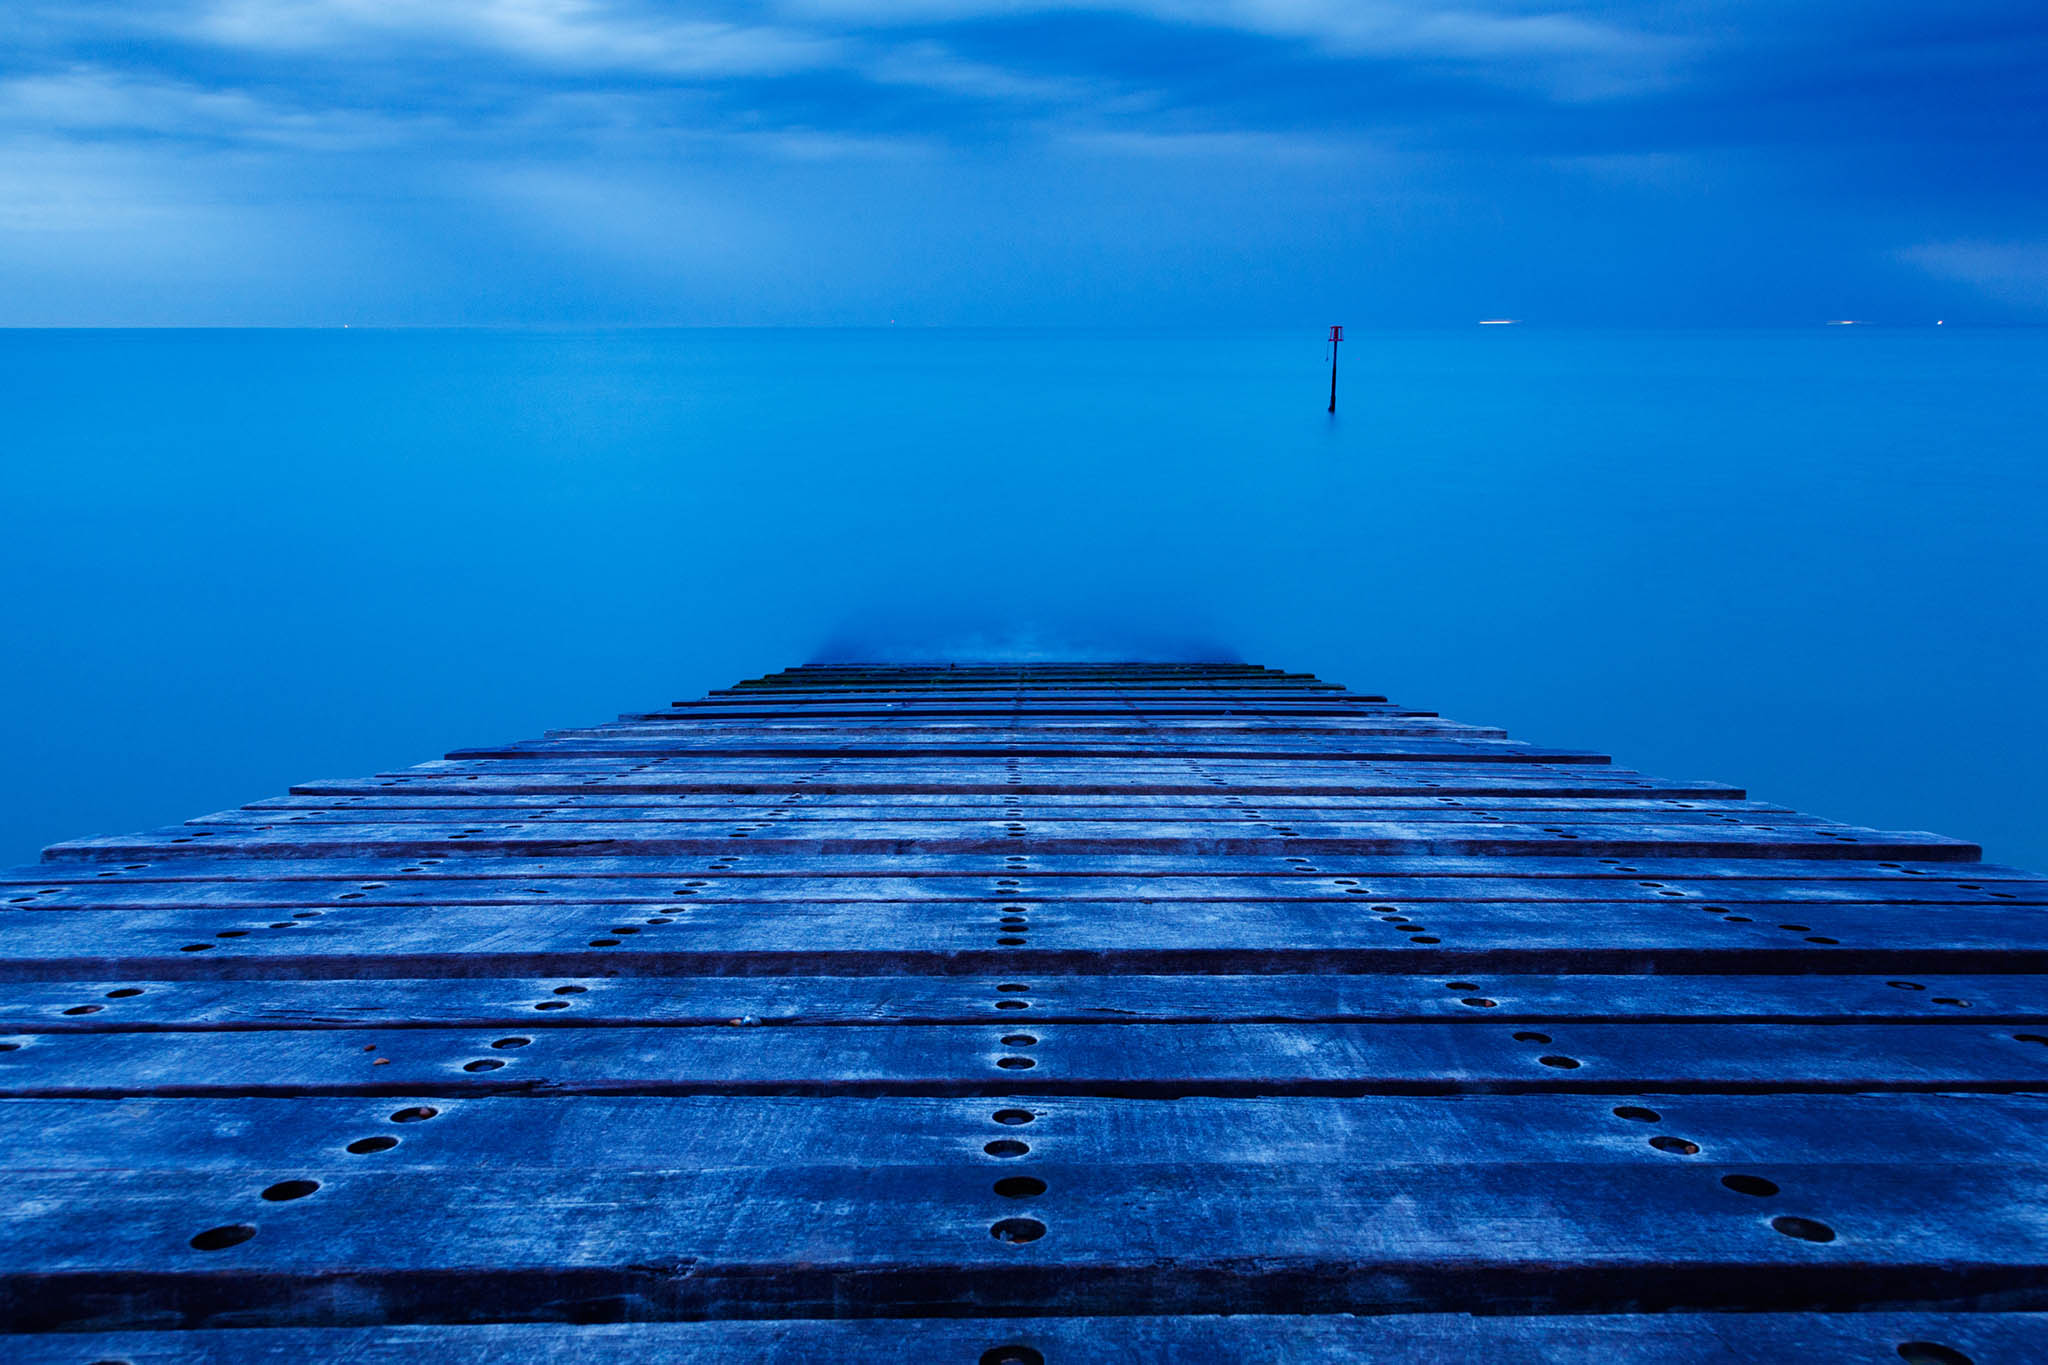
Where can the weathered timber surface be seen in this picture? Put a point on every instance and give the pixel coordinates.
(968, 938)
(1273, 1339)
(997, 1058)
(1000, 1013)
(118, 1005)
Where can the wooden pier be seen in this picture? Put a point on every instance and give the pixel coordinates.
(1057, 1013)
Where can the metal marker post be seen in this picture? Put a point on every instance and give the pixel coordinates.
(1336, 335)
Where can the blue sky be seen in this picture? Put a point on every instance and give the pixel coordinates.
(1209, 162)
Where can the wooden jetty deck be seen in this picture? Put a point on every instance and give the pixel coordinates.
(1031, 1014)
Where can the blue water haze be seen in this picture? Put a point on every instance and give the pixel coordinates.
(1807, 561)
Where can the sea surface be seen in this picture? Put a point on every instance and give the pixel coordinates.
(1813, 563)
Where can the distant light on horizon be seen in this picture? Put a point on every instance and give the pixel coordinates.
(1498, 322)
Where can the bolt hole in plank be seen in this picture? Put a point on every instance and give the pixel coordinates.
(1020, 1187)
(418, 1113)
(1681, 1146)
(1803, 1229)
(1932, 1353)
(483, 1064)
(1635, 1113)
(1006, 1147)
(1013, 1117)
(285, 1191)
(1019, 1040)
(1015, 1063)
(223, 1237)
(1560, 1062)
(1754, 1185)
(1527, 1036)
(1024, 1355)
(365, 1146)
(1017, 1230)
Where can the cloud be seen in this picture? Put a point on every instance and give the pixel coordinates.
(1250, 147)
(588, 151)
(98, 104)
(934, 66)
(1339, 28)
(566, 34)
(2011, 273)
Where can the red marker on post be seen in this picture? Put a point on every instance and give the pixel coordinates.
(1336, 335)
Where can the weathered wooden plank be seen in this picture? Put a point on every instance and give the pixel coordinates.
(1191, 736)
(997, 711)
(1005, 700)
(456, 813)
(119, 1005)
(1135, 692)
(1157, 1060)
(794, 836)
(966, 938)
(1077, 804)
(688, 1132)
(1179, 1235)
(748, 777)
(1355, 751)
(1269, 1339)
(1147, 729)
(711, 775)
(891, 876)
(1164, 761)
(1108, 689)
(1824, 908)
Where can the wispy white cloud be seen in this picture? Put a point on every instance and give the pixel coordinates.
(365, 70)
(1258, 147)
(2014, 273)
(97, 103)
(568, 34)
(934, 66)
(1390, 28)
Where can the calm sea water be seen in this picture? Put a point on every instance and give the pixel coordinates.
(1809, 562)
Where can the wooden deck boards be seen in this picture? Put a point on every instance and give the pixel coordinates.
(1023, 1013)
